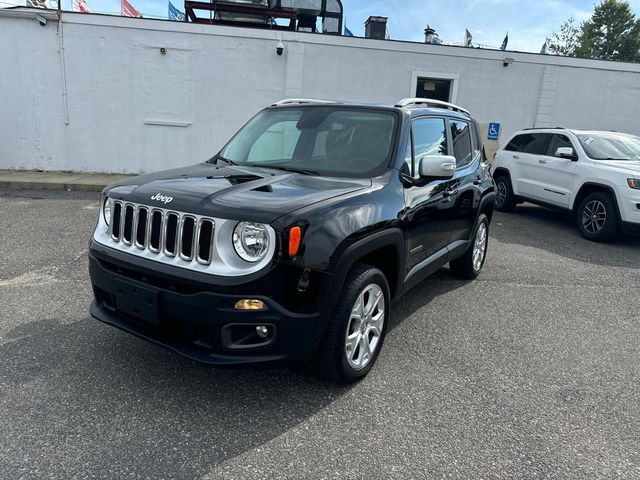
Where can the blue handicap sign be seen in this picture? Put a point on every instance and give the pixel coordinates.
(494, 131)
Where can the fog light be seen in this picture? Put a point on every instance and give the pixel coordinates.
(250, 304)
(262, 331)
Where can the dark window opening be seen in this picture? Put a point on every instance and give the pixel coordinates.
(435, 89)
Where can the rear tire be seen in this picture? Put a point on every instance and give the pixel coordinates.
(469, 265)
(361, 315)
(597, 218)
(505, 199)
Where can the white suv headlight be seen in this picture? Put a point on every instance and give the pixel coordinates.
(634, 183)
(251, 241)
(106, 211)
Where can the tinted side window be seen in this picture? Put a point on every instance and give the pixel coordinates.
(536, 143)
(429, 139)
(477, 142)
(515, 144)
(407, 168)
(462, 147)
(558, 141)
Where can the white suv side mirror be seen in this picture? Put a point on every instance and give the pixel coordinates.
(566, 152)
(437, 167)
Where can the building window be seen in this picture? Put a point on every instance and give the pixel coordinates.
(434, 88)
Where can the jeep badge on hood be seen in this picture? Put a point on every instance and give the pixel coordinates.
(162, 198)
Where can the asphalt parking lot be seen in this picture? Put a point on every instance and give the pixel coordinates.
(532, 371)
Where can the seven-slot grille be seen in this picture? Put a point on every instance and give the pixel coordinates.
(159, 231)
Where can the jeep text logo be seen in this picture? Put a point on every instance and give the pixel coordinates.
(161, 198)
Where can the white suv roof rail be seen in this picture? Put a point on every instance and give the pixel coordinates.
(302, 101)
(428, 102)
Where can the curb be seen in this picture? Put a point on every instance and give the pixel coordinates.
(35, 185)
(63, 181)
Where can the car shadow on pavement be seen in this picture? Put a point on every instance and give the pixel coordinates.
(556, 232)
(101, 403)
(105, 404)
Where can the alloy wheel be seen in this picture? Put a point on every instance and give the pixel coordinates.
(594, 216)
(480, 247)
(364, 328)
(501, 194)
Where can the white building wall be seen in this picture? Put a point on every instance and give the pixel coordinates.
(133, 109)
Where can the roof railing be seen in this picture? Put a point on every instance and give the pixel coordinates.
(429, 102)
(543, 128)
(302, 101)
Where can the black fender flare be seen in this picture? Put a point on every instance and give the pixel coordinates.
(502, 172)
(392, 237)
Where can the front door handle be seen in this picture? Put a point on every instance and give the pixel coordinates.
(516, 156)
(544, 162)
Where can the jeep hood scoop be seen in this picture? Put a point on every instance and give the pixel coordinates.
(259, 194)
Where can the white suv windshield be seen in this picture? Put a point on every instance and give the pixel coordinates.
(611, 146)
(327, 141)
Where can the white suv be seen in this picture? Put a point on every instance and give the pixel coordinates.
(594, 175)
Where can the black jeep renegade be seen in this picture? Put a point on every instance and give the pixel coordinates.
(294, 240)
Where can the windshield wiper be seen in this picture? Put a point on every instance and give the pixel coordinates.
(302, 171)
(226, 160)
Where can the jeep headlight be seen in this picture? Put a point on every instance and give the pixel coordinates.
(106, 211)
(634, 183)
(251, 241)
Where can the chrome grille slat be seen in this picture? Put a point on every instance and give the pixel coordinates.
(138, 218)
(175, 242)
(199, 258)
(185, 230)
(152, 215)
(117, 217)
(125, 219)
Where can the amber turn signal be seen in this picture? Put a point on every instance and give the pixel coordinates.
(250, 304)
(295, 235)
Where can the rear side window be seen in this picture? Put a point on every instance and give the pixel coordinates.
(535, 143)
(515, 144)
(462, 143)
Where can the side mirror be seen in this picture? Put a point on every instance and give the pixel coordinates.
(566, 152)
(437, 167)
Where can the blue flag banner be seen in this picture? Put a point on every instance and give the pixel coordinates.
(175, 14)
(505, 42)
(347, 32)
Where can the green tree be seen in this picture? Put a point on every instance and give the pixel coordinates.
(612, 33)
(567, 41)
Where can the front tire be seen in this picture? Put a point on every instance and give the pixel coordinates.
(505, 199)
(357, 330)
(469, 265)
(597, 218)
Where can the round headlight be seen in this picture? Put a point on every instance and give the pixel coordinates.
(251, 241)
(106, 211)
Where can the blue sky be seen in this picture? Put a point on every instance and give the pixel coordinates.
(529, 22)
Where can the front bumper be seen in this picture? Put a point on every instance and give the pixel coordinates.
(199, 322)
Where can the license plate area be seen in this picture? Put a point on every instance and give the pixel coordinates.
(138, 302)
